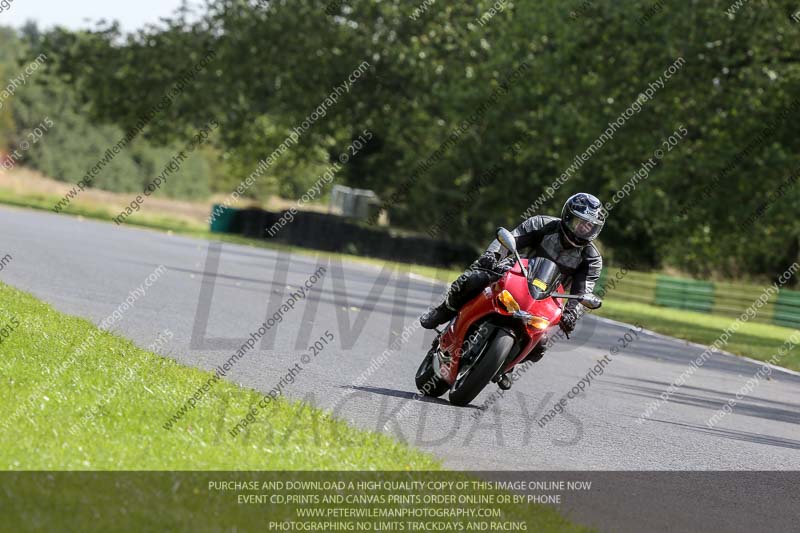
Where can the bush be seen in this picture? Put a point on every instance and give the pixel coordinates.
(73, 145)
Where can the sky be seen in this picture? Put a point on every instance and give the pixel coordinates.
(75, 14)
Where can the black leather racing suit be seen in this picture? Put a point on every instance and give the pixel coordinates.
(538, 236)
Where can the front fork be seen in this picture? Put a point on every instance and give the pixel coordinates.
(436, 359)
(476, 339)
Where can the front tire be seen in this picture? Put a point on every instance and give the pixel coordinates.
(472, 380)
(428, 383)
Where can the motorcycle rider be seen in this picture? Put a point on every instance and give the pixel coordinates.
(567, 241)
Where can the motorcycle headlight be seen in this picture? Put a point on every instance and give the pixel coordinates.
(508, 302)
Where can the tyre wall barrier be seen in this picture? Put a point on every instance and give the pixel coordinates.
(331, 233)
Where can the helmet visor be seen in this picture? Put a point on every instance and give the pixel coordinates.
(584, 229)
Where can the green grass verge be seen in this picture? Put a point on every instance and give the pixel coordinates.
(42, 404)
(759, 341)
(45, 202)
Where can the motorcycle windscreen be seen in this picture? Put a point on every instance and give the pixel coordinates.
(544, 277)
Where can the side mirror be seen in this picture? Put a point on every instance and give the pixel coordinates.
(590, 301)
(508, 241)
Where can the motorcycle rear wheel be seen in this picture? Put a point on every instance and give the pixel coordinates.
(472, 380)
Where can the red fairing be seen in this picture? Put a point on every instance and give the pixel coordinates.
(486, 304)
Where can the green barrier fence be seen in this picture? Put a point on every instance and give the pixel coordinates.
(731, 299)
(684, 293)
(718, 298)
(787, 309)
(634, 286)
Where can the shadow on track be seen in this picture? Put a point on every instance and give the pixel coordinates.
(713, 400)
(394, 393)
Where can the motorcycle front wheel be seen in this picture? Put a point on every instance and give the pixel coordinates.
(472, 379)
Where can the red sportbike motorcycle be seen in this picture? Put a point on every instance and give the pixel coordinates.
(497, 329)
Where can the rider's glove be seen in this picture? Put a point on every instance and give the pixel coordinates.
(568, 320)
(488, 260)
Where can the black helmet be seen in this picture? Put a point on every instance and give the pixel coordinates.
(582, 219)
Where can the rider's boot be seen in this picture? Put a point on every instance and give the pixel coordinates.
(438, 315)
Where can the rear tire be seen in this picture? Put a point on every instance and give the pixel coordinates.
(469, 385)
(428, 383)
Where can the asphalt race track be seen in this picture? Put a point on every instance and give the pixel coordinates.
(88, 268)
